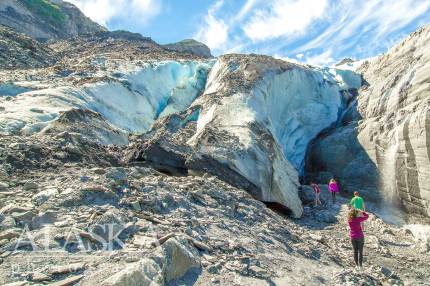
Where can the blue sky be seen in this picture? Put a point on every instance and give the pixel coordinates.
(309, 31)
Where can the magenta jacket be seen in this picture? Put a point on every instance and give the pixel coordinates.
(355, 231)
(333, 187)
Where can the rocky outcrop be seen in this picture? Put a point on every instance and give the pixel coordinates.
(190, 46)
(46, 19)
(388, 134)
(18, 51)
(89, 124)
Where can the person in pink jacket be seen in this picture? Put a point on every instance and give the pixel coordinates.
(317, 192)
(355, 218)
(333, 188)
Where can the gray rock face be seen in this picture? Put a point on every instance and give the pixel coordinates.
(43, 20)
(393, 136)
(341, 153)
(190, 46)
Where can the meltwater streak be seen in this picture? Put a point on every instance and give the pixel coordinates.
(390, 210)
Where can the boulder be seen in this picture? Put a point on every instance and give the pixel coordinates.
(171, 262)
(9, 234)
(44, 196)
(23, 218)
(180, 257)
(97, 194)
(65, 269)
(68, 281)
(109, 225)
(39, 277)
(7, 222)
(116, 174)
(48, 217)
(3, 187)
(30, 186)
(143, 273)
(325, 216)
(20, 283)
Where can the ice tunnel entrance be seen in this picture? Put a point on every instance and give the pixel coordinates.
(300, 103)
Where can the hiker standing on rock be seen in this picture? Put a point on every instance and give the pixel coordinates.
(357, 202)
(317, 192)
(333, 188)
(355, 218)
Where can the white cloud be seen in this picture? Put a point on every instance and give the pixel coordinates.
(377, 21)
(215, 31)
(103, 11)
(310, 31)
(284, 18)
(324, 58)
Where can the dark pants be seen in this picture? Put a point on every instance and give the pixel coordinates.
(333, 197)
(357, 245)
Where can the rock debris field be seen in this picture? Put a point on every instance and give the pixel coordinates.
(98, 223)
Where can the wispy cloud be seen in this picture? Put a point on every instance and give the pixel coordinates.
(312, 31)
(365, 28)
(215, 31)
(128, 11)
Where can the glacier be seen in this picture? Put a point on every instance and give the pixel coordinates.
(295, 105)
(131, 98)
(9, 89)
(262, 112)
(263, 127)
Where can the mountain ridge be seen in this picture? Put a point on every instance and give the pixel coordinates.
(45, 19)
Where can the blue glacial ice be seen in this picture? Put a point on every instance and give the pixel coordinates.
(140, 97)
(9, 89)
(298, 104)
(131, 100)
